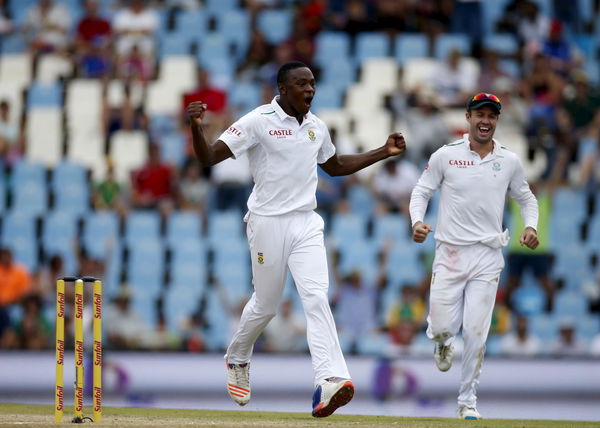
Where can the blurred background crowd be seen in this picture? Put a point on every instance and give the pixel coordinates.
(97, 175)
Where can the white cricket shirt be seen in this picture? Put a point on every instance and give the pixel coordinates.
(283, 157)
(473, 192)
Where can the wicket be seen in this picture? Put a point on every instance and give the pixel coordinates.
(78, 348)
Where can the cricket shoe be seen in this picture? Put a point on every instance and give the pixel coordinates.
(469, 413)
(331, 394)
(238, 382)
(443, 356)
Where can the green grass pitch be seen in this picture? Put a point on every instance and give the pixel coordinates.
(28, 415)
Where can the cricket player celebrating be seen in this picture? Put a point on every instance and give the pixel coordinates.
(474, 174)
(285, 142)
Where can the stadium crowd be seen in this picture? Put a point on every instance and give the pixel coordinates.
(166, 235)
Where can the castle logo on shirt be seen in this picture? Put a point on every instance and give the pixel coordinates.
(496, 166)
(312, 135)
(280, 133)
(261, 259)
(459, 163)
(233, 131)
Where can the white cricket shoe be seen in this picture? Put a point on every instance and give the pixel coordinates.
(238, 382)
(443, 356)
(469, 413)
(331, 394)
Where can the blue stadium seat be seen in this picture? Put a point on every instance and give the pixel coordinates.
(182, 226)
(189, 250)
(100, 230)
(193, 23)
(71, 188)
(236, 280)
(12, 43)
(18, 225)
(221, 69)
(188, 276)
(492, 12)
(331, 46)
(30, 195)
(340, 73)
(178, 308)
(218, 317)
(212, 46)
(348, 228)
(235, 26)
(145, 267)
(529, 300)
(176, 43)
(59, 231)
(409, 46)
(244, 97)
(26, 171)
(570, 304)
(393, 227)
(25, 251)
(371, 45)
(361, 200)
(229, 253)
(217, 8)
(2, 194)
(446, 43)
(327, 97)
(588, 326)
(543, 326)
(224, 225)
(44, 95)
(275, 25)
(502, 43)
(172, 149)
(163, 125)
(140, 226)
(145, 306)
(359, 255)
(404, 265)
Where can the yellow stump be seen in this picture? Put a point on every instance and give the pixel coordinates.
(78, 409)
(60, 351)
(97, 326)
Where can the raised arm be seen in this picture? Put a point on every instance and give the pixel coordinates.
(208, 154)
(349, 164)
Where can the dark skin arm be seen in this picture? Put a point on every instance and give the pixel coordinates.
(207, 154)
(349, 164)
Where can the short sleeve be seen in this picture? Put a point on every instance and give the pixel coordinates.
(241, 136)
(327, 149)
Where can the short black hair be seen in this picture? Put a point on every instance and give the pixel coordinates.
(286, 68)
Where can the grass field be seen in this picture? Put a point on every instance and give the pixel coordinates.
(26, 415)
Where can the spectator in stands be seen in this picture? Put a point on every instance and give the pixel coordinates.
(521, 258)
(563, 56)
(92, 29)
(393, 184)
(15, 283)
(193, 333)
(282, 54)
(135, 25)
(453, 81)
(568, 344)
(6, 23)
(425, 126)
(409, 307)
(519, 343)
(10, 144)
(389, 16)
(127, 116)
(355, 18)
(192, 188)
(217, 115)
(47, 27)
(523, 17)
(44, 280)
(514, 110)
(491, 72)
(33, 331)
(501, 317)
(108, 192)
(231, 180)
(152, 184)
(467, 19)
(135, 66)
(287, 331)
(125, 328)
(355, 306)
(302, 43)
(161, 338)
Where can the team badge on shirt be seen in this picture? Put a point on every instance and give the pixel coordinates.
(312, 135)
(496, 166)
(261, 259)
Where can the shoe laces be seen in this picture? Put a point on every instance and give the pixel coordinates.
(241, 374)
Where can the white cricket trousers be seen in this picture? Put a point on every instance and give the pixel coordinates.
(293, 240)
(463, 291)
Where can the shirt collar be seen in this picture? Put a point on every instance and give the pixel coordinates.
(496, 149)
(308, 117)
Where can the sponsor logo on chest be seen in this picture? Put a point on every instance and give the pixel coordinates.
(460, 163)
(280, 133)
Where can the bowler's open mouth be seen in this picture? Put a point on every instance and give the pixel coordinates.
(308, 101)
